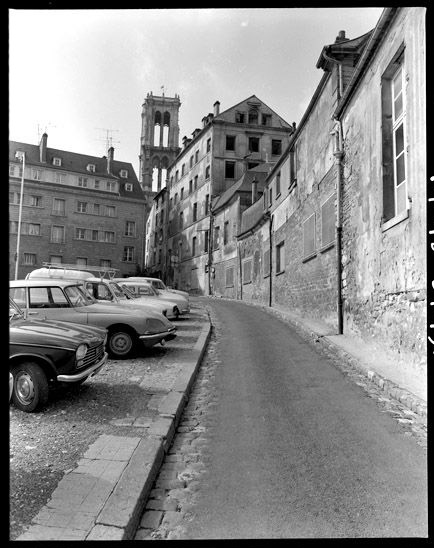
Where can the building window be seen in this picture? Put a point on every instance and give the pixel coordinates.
(176, 197)
(82, 207)
(94, 235)
(193, 246)
(280, 257)
(109, 237)
(208, 145)
(309, 236)
(395, 199)
(96, 209)
(58, 234)
(230, 170)
(207, 172)
(196, 156)
(110, 211)
(240, 117)
(56, 259)
(191, 161)
(180, 250)
(230, 142)
(105, 263)
(59, 178)
(182, 169)
(124, 173)
(229, 277)
(278, 185)
(253, 116)
(247, 271)
(190, 186)
(111, 186)
(128, 187)
(207, 204)
(216, 237)
(266, 119)
(57, 161)
(128, 254)
(36, 174)
(226, 232)
(181, 219)
(266, 263)
(182, 194)
(170, 203)
(91, 168)
(253, 144)
(276, 147)
(82, 182)
(206, 242)
(195, 212)
(195, 182)
(81, 261)
(270, 196)
(29, 259)
(176, 176)
(80, 233)
(12, 170)
(328, 221)
(27, 229)
(130, 228)
(96, 184)
(58, 206)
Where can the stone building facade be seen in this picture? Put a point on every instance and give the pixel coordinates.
(343, 216)
(77, 209)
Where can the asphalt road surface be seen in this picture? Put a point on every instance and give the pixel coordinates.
(297, 449)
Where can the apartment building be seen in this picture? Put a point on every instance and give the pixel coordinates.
(76, 209)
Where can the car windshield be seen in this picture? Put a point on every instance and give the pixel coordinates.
(158, 284)
(77, 296)
(117, 290)
(129, 294)
(14, 310)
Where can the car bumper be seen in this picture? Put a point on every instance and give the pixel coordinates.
(155, 338)
(89, 372)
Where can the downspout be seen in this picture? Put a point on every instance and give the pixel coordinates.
(338, 154)
(210, 252)
(270, 229)
(241, 272)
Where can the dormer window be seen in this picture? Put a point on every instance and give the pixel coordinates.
(128, 187)
(57, 162)
(124, 173)
(91, 168)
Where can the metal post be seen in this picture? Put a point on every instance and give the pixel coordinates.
(17, 256)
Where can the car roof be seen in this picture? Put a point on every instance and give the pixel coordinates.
(44, 282)
(134, 282)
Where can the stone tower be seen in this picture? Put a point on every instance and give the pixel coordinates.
(159, 141)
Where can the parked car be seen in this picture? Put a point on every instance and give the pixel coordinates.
(158, 284)
(134, 286)
(43, 353)
(106, 290)
(66, 300)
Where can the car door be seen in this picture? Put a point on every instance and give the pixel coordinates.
(51, 303)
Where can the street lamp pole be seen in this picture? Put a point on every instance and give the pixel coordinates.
(22, 157)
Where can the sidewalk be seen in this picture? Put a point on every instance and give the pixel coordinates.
(104, 496)
(409, 389)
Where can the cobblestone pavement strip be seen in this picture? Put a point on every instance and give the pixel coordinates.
(85, 437)
(171, 503)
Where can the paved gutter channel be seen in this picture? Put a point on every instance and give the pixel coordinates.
(104, 496)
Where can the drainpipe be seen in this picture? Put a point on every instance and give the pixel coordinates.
(210, 244)
(270, 229)
(338, 154)
(240, 277)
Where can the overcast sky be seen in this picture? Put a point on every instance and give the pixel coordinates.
(78, 73)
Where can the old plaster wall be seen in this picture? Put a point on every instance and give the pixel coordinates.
(254, 247)
(384, 282)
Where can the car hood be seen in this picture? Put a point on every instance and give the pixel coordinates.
(121, 309)
(159, 301)
(179, 292)
(53, 333)
(174, 297)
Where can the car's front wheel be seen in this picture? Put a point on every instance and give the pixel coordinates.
(120, 344)
(30, 390)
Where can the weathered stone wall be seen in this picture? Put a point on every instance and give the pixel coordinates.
(254, 247)
(384, 265)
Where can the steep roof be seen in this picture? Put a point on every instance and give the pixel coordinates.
(76, 162)
(253, 98)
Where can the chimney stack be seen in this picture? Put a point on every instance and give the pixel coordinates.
(110, 154)
(341, 37)
(43, 148)
(254, 190)
(216, 108)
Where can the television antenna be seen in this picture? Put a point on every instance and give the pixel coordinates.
(43, 129)
(108, 139)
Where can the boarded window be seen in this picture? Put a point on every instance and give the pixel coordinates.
(266, 263)
(230, 276)
(309, 236)
(328, 221)
(247, 271)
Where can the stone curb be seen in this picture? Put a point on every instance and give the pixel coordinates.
(120, 516)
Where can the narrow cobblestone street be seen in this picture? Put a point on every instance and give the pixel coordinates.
(184, 479)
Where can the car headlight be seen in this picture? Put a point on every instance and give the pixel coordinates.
(154, 326)
(81, 352)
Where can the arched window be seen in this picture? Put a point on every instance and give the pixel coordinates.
(157, 128)
(253, 116)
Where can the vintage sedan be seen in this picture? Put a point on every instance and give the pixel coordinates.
(137, 287)
(44, 353)
(158, 284)
(66, 300)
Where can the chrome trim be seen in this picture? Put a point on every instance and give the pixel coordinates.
(36, 345)
(161, 334)
(85, 373)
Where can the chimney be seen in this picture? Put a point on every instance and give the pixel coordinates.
(341, 37)
(294, 126)
(110, 154)
(204, 121)
(254, 190)
(216, 108)
(43, 148)
(184, 141)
